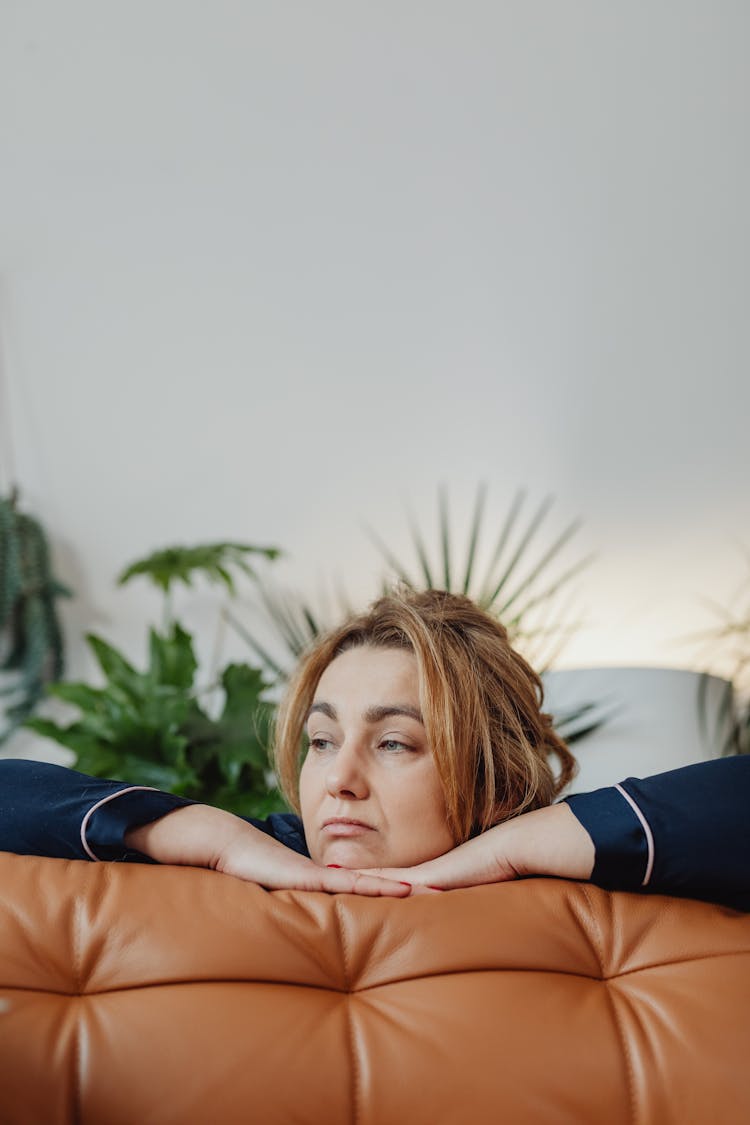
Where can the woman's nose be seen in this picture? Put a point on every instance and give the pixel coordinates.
(346, 776)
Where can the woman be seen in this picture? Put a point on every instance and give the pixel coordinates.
(412, 744)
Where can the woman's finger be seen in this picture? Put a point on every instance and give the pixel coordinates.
(417, 876)
(345, 881)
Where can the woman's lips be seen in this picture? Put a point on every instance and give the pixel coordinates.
(346, 828)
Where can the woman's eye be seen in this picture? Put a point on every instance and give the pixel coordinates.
(321, 744)
(392, 744)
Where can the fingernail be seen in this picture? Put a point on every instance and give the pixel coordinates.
(333, 865)
(403, 884)
(434, 888)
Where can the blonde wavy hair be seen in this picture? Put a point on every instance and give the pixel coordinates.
(481, 705)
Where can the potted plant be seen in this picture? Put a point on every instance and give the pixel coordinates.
(152, 726)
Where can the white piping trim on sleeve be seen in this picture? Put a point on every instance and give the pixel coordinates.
(98, 805)
(646, 831)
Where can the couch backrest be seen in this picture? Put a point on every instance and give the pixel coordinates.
(145, 995)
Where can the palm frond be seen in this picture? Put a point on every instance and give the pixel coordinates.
(531, 530)
(513, 585)
(260, 651)
(543, 563)
(547, 593)
(484, 596)
(576, 723)
(390, 559)
(471, 551)
(445, 542)
(424, 559)
(296, 623)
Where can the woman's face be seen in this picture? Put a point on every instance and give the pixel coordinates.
(369, 789)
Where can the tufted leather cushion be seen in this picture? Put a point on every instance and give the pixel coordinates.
(173, 996)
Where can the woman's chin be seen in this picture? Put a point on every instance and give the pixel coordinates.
(364, 854)
(352, 853)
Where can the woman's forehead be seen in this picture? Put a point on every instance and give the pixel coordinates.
(370, 677)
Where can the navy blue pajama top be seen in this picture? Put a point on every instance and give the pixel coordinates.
(685, 832)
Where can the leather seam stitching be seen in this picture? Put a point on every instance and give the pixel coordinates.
(77, 981)
(624, 1046)
(186, 981)
(349, 1022)
(627, 1054)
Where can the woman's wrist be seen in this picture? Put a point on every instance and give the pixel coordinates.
(549, 841)
(194, 836)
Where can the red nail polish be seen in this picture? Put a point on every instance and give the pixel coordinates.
(403, 884)
(434, 888)
(333, 865)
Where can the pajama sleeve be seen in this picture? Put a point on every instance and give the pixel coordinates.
(53, 811)
(685, 832)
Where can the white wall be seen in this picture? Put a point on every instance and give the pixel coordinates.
(269, 270)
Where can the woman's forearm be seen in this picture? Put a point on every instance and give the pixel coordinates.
(195, 836)
(202, 836)
(549, 841)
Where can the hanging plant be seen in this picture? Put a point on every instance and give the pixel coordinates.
(31, 645)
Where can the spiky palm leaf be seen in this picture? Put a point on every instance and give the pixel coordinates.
(513, 586)
(522, 593)
(296, 623)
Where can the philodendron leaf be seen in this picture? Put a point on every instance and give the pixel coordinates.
(114, 665)
(235, 742)
(244, 722)
(97, 759)
(144, 771)
(103, 711)
(171, 658)
(108, 704)
(246, 802)
(232, 758)
(212, 560)
(243, 688)
(86, 698)
(164, 708)
(148, 728)
(81, 742)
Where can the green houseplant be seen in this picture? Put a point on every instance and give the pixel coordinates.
(153, 726)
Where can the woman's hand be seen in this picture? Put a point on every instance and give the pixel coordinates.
(202, 836)
(549, 841)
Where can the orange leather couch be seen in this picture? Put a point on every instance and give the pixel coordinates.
(135, 995)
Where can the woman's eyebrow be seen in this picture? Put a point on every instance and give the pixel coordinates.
(326, 708)
(374, 714)
(377, 714)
